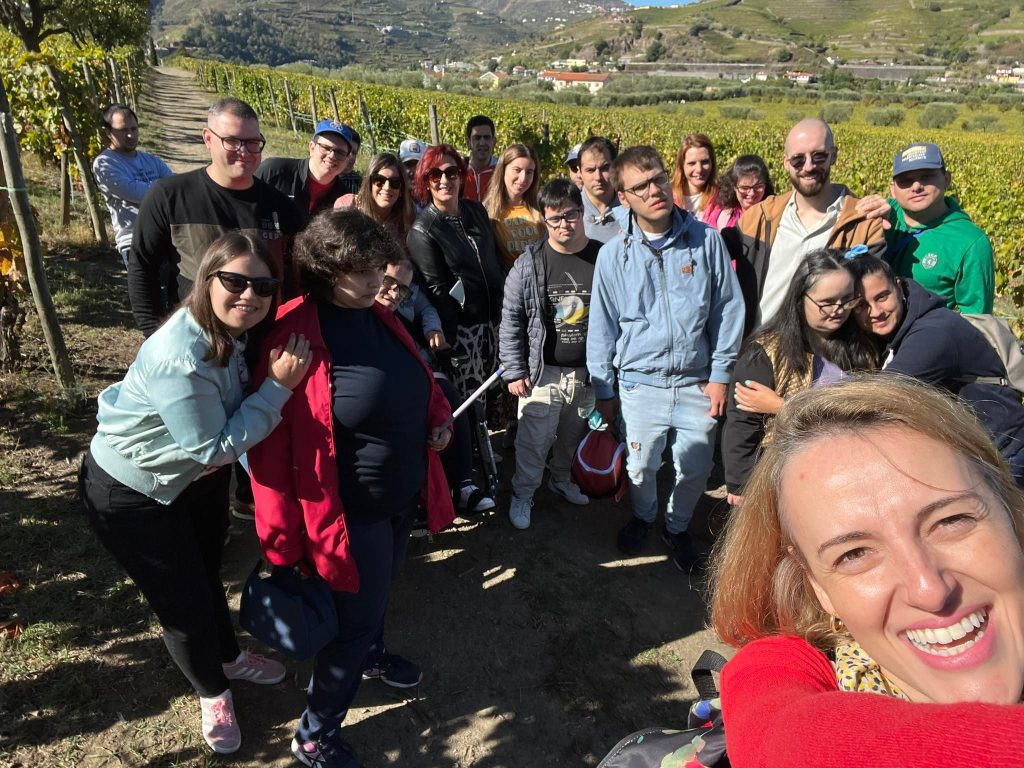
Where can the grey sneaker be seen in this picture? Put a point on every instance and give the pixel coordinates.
(569, 491)
(519, 512)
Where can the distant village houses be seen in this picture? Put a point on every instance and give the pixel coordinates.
(592, 81)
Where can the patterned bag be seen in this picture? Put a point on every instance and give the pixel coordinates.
(701, 745)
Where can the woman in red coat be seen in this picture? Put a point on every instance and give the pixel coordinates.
(338, 483)
(873, 579)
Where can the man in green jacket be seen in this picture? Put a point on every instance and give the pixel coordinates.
(931, 239)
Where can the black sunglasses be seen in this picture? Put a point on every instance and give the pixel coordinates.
(385, 181)
(451, 173)
(236, 283)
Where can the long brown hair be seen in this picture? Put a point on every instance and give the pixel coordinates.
(680, 186)
(759, 584)
(224, 249)
(497, 200)
(403, 211)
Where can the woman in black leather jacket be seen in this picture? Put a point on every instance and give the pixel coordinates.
(452, 246)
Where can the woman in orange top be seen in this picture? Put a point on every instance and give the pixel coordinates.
(512, 203)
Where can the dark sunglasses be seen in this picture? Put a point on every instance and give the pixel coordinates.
(385, 181)
(235, 283)
(451, 173)
(389, 284)
(817, 158)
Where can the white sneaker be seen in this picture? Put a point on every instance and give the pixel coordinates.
(220, 728)
(519, 513)
(483, 503)
(569, 491)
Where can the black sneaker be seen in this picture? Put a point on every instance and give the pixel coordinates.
(632, 536)
(395, 671)
(329, 751)
(681, 547)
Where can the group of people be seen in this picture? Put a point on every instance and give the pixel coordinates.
(318, 332)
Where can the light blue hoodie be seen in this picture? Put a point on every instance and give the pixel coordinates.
(175, 414)
(665, 317)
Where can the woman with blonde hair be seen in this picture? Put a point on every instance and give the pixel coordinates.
(511, 203)
(873, 580)
(693, 178)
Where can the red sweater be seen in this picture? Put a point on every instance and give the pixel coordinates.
(783, 709)
(294, 472)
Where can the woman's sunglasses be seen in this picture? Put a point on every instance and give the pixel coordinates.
(451, 173)
(236, 283)
(385, 181)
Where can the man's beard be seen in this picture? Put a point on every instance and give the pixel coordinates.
(809, 186)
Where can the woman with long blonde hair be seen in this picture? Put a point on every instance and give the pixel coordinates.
(511, 202)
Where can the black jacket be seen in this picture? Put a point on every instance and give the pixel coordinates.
(442, 256)
(290, 176)
(936, 345)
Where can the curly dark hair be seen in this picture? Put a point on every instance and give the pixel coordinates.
(337, 242)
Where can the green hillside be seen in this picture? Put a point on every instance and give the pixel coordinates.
(905, 31)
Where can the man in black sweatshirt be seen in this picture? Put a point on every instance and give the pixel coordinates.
(181, 215)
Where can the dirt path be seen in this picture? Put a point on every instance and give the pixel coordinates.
(540, 648)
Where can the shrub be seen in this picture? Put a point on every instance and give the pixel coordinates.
(692, 110)
(938, 114)
(836, 112)
(983, 123)
(794, 115)
(886, 116)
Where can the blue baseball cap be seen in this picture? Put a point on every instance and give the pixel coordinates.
(333, 126)
(918, 157)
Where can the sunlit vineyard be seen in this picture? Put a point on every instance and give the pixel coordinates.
(988, 170)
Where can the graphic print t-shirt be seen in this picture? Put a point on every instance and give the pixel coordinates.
(569, 278)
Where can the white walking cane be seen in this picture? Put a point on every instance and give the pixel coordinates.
(473, 397)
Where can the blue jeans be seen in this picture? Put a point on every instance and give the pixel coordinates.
(378, 549)
(655, 416)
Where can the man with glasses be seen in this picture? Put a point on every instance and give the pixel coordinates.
(666, 322)
(596, 155)
(542, 345)
(124, 173)
(183, 214)
(931, 239)
(313, 184)
(772, 238)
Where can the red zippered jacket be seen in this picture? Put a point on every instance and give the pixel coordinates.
(299, 515)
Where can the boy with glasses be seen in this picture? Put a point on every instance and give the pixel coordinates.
(313, 183)
(773, 237)
(665, 327)
(542, 345)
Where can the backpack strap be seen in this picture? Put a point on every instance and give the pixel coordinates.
(703, 674)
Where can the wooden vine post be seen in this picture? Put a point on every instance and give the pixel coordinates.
(91, 86)
(288, 103)
(38, 284)
(369, 124)
(312, 105)
(273, 102)
(334, 106)
(65, 191)
(435, 135)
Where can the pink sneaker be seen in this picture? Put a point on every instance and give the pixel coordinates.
(220, 728)
(255, 668)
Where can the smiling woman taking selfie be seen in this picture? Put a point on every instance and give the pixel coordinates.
(155, 480)
(873, 580)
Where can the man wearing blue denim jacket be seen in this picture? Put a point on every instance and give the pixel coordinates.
(666, 320)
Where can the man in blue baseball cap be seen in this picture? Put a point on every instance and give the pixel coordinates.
(314, 183)
(932, 240)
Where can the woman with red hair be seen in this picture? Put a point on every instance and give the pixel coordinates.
(452, 247)
(693, 180)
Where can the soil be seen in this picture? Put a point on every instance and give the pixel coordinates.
(540, 648)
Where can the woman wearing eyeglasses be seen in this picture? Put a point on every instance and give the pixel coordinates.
(810, 342)
(384, 196)
(452, 246)
(915, 334)
(512, 204)
(155, 480)
(744, 184)
(339, 482)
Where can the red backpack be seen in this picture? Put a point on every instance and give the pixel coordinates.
(599, 466)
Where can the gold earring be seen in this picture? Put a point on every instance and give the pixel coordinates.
(836, 624)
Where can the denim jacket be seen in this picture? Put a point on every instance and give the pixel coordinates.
(174, 414)
(668, 316)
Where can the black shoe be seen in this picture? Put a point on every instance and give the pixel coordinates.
(681, 547)
(632, 536)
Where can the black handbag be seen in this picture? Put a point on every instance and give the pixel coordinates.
(288, 612)
(700, 745)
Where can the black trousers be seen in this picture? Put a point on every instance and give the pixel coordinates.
(173, 554)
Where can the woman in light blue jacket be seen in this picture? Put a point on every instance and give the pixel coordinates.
(155, 480)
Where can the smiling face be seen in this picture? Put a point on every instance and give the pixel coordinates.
(229, 167)
(750, 191)
(697, 168)
(881, 311)
(519, 176)
(240, 311)
(825, 308)
(394, 286)
(917, 557)
(444, 190)
(358, 289)
(921, 194)
(809, 158)
(387, 188)
(328, 154)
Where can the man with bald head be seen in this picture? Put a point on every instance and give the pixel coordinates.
(181, 215)
(772, 238)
